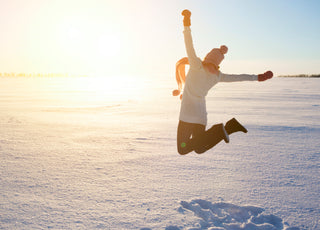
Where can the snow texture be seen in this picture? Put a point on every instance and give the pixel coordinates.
(77, 156)
(231, 217)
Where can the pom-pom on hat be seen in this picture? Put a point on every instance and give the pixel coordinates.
(215, 56)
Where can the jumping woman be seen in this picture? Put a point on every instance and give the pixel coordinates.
(201, 77)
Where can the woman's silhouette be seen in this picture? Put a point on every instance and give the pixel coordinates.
(193, 88)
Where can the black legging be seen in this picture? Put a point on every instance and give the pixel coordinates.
(194, 137)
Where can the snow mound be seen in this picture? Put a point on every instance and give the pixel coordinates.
(219, 216)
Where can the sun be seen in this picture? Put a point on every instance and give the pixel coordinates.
(108, 46)
(73, 34)
(90, 46)
(96, 43)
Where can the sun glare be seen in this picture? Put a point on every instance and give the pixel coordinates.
(101, 48)
(108, 46)
(73, 34)
(112, 88)
(105, 45)
(94, 45)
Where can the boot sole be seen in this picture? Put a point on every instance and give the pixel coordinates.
(225, 136)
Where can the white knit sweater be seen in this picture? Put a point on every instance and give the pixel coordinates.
(198, 83)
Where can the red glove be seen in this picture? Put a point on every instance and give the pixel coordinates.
(186, 17)
(267, 75)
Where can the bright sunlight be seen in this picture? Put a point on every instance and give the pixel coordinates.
(90, 43)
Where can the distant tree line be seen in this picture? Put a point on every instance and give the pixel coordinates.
(301, 75)
(12, 74)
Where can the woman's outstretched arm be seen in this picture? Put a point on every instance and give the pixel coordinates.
(245, 77)
(193, 59)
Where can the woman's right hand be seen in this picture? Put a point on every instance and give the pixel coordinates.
(265, 76)
(186, 17)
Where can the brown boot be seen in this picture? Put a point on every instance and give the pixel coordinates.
(233, 126)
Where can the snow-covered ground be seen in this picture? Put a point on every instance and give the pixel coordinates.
(81, 154)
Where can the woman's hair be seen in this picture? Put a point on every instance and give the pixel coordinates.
(180, 76)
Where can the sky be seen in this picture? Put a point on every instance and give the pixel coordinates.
(144, 37)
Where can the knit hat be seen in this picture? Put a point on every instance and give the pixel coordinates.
(215, 56)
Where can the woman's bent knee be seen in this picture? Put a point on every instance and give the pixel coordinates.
(184, 148)
(182, 151)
